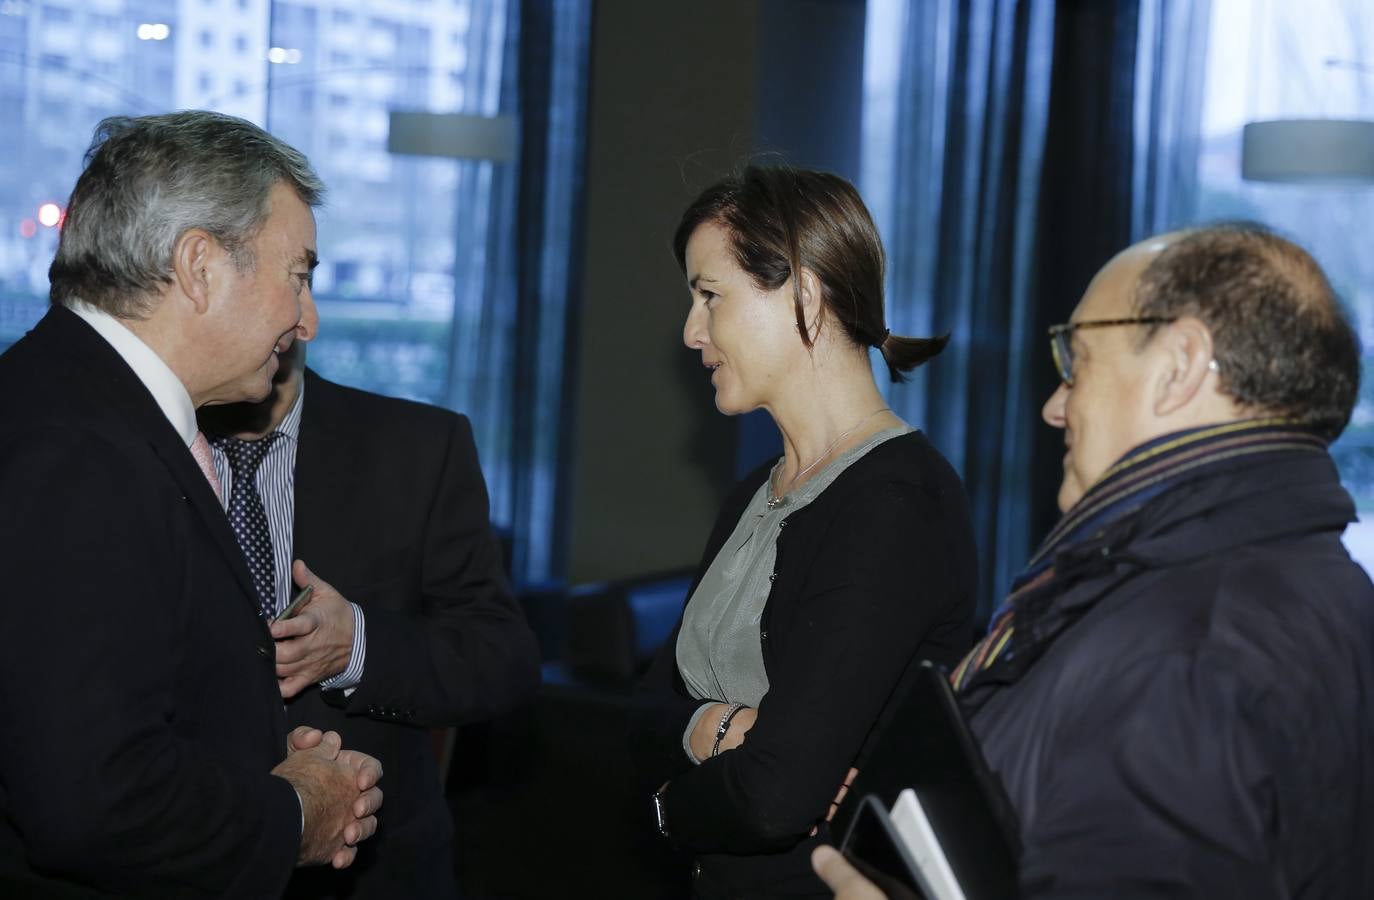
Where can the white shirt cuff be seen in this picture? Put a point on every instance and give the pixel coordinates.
(350, 677)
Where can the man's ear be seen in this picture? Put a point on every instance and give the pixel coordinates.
(813, 310)
(1184, 364)
(192, 258)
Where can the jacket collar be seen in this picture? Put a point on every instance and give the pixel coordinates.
(1260, 499)
(128, 399)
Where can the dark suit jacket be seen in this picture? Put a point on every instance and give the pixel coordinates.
(140, 711)
(391, 509)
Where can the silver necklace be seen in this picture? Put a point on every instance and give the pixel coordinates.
(776, 500)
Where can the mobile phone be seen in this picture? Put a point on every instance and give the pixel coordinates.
(297, 602)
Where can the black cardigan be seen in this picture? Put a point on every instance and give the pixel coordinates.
(877, 571)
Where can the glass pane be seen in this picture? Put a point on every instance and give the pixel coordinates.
(1276, 60)
(407, 282)
(385, 284)
(322, 76)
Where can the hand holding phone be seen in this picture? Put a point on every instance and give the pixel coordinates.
(874, 847)
(301, 598)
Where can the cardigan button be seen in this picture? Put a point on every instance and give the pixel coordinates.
(772, 576)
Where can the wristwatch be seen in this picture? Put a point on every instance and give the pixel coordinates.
(659, 817)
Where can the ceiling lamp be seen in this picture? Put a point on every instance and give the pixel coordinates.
(1313, 151)
(1308, 151)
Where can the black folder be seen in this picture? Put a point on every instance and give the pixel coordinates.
(924, 744)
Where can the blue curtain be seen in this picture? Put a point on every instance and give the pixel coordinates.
(1119, 163)
(509, 346)
(1170, 80)
(1011, 147)
(951, 166)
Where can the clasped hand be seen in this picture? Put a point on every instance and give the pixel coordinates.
(339, 795)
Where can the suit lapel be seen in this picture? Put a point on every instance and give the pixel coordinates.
(197, 491)
(130, 400)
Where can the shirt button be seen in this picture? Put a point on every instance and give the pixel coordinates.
(772, 576)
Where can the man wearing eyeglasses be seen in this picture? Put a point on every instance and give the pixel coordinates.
(1179, 693)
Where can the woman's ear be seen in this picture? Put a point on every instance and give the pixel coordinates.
(1185, 362)
(813, 309)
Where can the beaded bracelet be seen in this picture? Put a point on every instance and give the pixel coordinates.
(724, 726)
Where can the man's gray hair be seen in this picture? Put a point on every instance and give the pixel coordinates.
(150, 179)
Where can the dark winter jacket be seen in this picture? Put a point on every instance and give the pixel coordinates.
(1192, 713)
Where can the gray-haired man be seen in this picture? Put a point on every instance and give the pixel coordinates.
(144, 750)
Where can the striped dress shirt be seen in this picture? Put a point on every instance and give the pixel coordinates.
(276, 483)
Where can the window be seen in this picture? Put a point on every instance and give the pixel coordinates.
(1310, 60)
(415, 277)
(387, 235)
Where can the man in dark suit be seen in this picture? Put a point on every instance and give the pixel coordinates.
(144, 750)
(411, 624)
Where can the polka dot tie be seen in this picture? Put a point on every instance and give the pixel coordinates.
(247, 516)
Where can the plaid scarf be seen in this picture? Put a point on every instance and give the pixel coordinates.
(1143, 474)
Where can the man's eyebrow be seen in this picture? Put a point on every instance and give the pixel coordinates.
(697, 279)
(307, 258)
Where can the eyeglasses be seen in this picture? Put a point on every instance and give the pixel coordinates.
(1061, 339)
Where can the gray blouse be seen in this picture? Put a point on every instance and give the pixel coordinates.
(719, 651)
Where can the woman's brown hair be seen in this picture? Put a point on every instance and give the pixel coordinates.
(781, 220)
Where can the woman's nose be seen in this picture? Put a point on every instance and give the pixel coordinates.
(694, 332)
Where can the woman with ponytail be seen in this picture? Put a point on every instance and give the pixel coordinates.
(829, 571)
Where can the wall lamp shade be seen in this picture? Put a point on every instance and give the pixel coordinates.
(452, 135)
(1308, 151)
